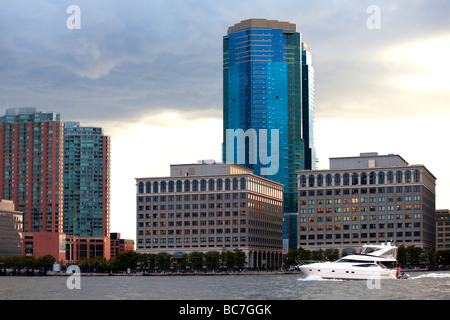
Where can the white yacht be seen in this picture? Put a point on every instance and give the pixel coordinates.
(374, 262)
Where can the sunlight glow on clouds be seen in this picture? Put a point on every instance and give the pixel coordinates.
(425, 64)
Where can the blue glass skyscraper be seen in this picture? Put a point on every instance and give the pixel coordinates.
(262, 96)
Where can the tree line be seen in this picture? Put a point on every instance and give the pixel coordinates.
(17, 263)
(212, 260)
(410, 255)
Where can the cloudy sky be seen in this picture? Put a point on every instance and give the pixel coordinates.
(150, 73)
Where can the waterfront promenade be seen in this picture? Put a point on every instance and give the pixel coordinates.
(150, 274)
(181, 273)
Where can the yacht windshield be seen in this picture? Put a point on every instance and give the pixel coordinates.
(346, 260)
(367, 250)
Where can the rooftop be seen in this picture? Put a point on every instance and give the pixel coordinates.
(263, 23)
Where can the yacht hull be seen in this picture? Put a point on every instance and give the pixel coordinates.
(330, 271)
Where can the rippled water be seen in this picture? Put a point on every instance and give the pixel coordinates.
(430, 285)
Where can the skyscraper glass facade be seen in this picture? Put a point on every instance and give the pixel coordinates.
(86, 181)
(262, 89)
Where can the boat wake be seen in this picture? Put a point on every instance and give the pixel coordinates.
(317, 278)
(432, 275)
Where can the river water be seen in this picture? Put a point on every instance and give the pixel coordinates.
(426, 285)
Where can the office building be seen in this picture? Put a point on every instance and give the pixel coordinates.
(442, 229)
(367, 199)
(264, 71)
(211, 206)
(11, 240)
(86, 181)
(31, 175)
(86, 191)
(290, 231)
(119, 245)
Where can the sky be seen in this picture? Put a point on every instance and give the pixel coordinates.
(150, 74)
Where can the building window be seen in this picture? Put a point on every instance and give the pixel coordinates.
(203, 185)
(195, 185)
(303, 181)
(363, 178)
(311, 180)
(416, 176)
(328, 180)
(235, 184)
(337, 179)
(390, 177)
(243, 184)
(372, 178)
(354, 179)
(320, 180)
(227, 184)
(346, 179)
(162, 186)
(408, 176)
(399, 177)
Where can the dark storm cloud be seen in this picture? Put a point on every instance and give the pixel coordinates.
(127, 59)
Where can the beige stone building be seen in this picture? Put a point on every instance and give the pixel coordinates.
(11, 228)
(211, 206)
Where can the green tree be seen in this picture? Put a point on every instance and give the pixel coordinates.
(402, 256)
(99, 263)
(148, 261)
(19, 262)
(317, 254)
(197, 260)
(331, 254)
(414, 254)
(163, 260)
(185, 262)
(212, 259)
(228, 259)
(239, 258)
(45, 262)
(8, 261)
(291, 257)
(125, 260)
(432, 256)
(303, 254)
